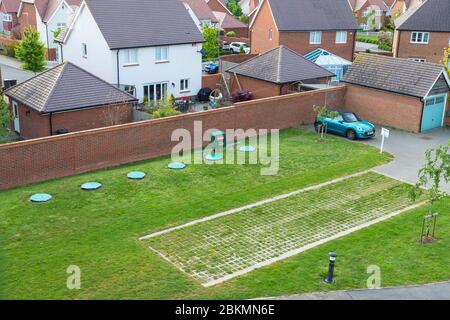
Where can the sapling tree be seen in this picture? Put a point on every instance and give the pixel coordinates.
(210, 46)
(435, 171)
(321, 113)
(31, 51)
(5, 118)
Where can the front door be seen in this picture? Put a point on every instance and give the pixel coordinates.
(15, 108)
(433, 112)
(155, 92)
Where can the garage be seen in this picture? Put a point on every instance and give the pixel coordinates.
(398, 93)
(433, 112)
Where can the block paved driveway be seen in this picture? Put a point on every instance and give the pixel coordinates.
(409, 152)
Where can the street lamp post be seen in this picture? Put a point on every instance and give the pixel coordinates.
(329, 278)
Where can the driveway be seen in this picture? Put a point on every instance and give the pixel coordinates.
(409, 152)
(363, 46)
(435, 291)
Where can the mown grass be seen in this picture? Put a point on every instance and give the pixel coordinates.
(98, 231)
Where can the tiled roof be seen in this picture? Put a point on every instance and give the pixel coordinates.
(11, 6)
(226, 21)
(280, 65)
(401, 76)
(201, 9)
(144, 23)
(431, 15)
(66, 87)
(310, 15)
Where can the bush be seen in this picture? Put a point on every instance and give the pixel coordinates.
(165, 111)
(231, 34)
(9, 49)
(240, 96)
(384, 38)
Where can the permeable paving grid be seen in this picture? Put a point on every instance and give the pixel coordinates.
(219, 249)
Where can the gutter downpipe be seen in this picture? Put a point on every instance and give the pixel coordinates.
(48, 44)
(51, 124)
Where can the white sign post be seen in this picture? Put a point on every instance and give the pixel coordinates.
(384, 135)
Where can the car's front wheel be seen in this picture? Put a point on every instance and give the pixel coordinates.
(351, 134)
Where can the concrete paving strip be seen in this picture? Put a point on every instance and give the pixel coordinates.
(252, 205)
(433, 291)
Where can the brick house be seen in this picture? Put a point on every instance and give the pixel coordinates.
(398, 93)
(399, 7)
(46, 16)
(369, 14)
(276, 72)
(229, 23)
(66, 97)
(423, 32)
(304, 26)
(8, 10)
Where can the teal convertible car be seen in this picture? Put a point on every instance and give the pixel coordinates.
(347, 124)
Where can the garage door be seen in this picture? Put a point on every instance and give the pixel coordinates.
(433, 112)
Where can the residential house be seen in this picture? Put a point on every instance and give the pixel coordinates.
(276, 72)
(8, 15)
(399, 7)
(423, 32)
(47, 17)
(304, 26)
(65, 99)
(229, 23)
(200, 13)
(156, 56)
(369, 14)
(398, 93)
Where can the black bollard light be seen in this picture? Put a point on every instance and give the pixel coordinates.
(329, 278)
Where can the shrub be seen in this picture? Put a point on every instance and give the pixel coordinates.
(165, 111)
(240, 96)
(231, 34)
(9, 49)
(384, 38)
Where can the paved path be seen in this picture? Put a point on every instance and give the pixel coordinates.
(363, 46)
(435, 291)
(409, 152)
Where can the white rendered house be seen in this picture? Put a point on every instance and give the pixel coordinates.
(150, 48)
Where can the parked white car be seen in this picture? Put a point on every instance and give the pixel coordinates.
(236, 47)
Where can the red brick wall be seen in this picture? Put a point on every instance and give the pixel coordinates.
(237, 58)
(299, 42)
(432, 52)
(380, 107)
(245, 39)
(74, 153)
(33, 125)
(211, 81)
(240, 32)
(259, 31)
(261, 89)
(28, 16)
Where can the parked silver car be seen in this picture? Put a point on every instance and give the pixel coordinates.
(236, 47)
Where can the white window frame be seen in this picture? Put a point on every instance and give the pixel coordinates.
(184, 85)
(341, 36)
(60, 25)
(378, 12)
(130, 57)
(415, 37)
(270, 34)
(159, 57)
(7, 17)
(84, 50)
(315, 37)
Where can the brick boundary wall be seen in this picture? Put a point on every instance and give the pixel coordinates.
(36, 160)
(211, 81)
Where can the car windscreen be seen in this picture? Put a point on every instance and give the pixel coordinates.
(350, 117)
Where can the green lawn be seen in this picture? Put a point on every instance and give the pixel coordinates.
(98, 231)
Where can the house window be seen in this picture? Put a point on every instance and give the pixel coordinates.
(162, 54)
(439, 100)
(130, 56)
(341, 37)
(7, 17)
(364, 26)
(60, 25)
(84, 49)
(378, 13)
(366, 13)
(420, 37)
(184, 85)
(270, 34)
(315, 37)
(129, 89)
